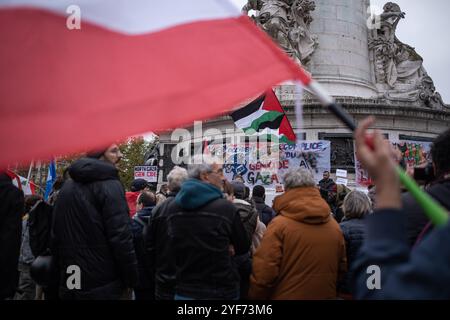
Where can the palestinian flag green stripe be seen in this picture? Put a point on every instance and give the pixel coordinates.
(270, 119)
(271, 137)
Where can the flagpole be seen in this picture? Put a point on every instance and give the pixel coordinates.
(29, 174)
(435, 212)
(39, 174)
(298, 112)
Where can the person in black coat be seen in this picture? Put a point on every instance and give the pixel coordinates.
(145, 289)
(92, 230)
(265, 212)
(202, 227)
(356, 206)
(11, 212)
(158, 246)
(439, 189)
(328, 190)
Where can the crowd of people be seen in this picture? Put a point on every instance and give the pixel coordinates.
(202, 237)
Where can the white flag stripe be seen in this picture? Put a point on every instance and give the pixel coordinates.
(247, 121)
(268, 131)
(136, 16)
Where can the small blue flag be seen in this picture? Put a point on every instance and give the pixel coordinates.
(51, 177)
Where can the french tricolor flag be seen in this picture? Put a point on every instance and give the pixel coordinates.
(132, 67)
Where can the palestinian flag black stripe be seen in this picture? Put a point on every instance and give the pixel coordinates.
(248, 109)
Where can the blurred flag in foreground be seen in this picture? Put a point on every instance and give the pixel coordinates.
(129, 66)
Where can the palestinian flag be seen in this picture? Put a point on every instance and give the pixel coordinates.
(265, 117)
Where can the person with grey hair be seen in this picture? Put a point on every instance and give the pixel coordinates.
(203, 227)
(200, 226)
(175, 179)
(355, 207)
(283, 266)
(157, 238)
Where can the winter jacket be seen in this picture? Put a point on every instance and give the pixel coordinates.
(265, 212)
(248, 214)
(258, 235)
(329, 188)
(202, 226)
(302, 252)
(139, 225)
(160, 251)
(327, 185)
(11, 211)
(353, 231)
(92, 229)
(243, 263)
(416, 218)
(421, 273)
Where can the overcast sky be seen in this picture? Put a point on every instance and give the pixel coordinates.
(426, 27)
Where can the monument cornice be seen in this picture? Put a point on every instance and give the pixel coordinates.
(376, 107)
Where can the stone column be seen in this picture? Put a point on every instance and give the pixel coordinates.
(341, 61)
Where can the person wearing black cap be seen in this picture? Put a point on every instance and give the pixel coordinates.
(247, 211)
(249, 218)
(137, 186)
(265, 212)
(92, 230)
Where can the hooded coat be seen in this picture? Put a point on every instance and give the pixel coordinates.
(92, 229)
(265, 212)
(11, 211)
(248, 214)
(158, 248)
(139, 228)
(202, 226)
(302, 251)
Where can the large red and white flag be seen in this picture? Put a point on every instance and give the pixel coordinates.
(134, 66)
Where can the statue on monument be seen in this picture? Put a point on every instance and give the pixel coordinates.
(288, 23)
(273, 17)
(151, 157)
(399, 68)
(300, 36)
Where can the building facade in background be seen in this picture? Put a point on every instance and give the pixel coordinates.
(359, 60)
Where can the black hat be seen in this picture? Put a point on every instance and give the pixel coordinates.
(138, 185)
(258, 191)
(238, 189)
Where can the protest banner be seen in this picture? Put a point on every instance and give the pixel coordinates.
(265, 164)
(149, 173)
